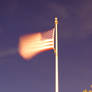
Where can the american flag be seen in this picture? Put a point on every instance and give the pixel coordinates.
(32, 44)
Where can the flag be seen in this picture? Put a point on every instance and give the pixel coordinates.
(32, 44)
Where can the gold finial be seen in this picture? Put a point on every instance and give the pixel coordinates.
(56, 20)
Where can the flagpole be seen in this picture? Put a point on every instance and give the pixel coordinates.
(56, 57)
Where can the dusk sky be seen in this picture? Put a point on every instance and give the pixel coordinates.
(20, 17)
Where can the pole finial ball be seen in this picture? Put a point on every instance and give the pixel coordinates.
(56, 20)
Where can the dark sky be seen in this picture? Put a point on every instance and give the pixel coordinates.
(19, 17)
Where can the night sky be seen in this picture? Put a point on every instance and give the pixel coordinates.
(19, 17)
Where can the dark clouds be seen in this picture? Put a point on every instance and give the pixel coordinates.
(19, 17)
(7, 52)
(85, 18)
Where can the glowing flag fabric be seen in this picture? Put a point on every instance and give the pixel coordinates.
(32, 44)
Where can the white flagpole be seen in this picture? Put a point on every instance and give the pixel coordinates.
(56, 58)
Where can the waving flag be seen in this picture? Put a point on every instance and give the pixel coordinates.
(32, 44)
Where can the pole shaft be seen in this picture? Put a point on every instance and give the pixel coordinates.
(56, 58)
